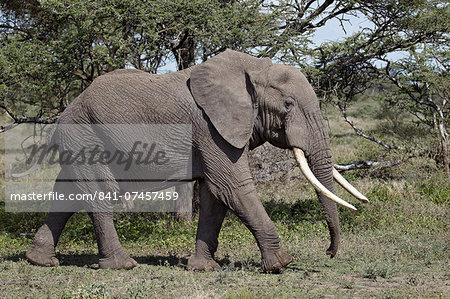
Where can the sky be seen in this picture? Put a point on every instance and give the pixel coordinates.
(332, 31)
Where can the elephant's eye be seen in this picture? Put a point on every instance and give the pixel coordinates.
(289, 103)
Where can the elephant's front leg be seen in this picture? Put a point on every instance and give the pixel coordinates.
(230, 180)
(212, 213)
(246, 205)
(111, 253)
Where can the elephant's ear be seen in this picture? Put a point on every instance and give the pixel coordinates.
(221, 87)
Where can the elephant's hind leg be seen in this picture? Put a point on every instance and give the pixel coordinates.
(111, 253)
(42, 249)
(212, 213)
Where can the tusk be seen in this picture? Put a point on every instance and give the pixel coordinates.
(303, 164)
(347, 186)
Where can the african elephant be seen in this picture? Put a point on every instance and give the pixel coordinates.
(234, 102)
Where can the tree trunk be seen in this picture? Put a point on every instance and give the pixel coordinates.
(184, 203)
(185, 52)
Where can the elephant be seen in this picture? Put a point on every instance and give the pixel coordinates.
(234, 102)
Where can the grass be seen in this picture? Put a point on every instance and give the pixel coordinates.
(395, 247)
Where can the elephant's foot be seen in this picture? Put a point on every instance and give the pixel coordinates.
(331, 251)
(42, 250)
(42, 255)
(199, 263)
(119, 260)
(273, 262)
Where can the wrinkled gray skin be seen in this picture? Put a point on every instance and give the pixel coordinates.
(235, 102)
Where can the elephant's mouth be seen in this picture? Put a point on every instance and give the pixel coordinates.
(304, 167)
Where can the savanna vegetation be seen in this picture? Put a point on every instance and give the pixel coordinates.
(384, 91)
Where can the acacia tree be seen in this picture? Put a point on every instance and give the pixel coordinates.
(417, 31)
(422, 88)
(51, 50)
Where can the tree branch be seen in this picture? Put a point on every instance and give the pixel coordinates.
(24, 119)
(366, 164)
(342, 107)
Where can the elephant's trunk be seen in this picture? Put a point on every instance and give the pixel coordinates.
(317, 166)
(321, 177)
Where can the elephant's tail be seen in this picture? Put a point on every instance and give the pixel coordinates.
(35, 166)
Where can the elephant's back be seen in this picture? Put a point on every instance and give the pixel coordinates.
(134, 97)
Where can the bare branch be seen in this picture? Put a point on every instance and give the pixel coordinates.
(330, 16)
(359, 132)
(300, 25)
(24, 119)
(319, 10)
(10, 115)
(397, 83)
(35, 120)
(366, 164)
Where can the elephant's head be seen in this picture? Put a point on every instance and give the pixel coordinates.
(251, 101)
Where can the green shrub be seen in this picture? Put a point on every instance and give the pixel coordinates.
(435, 189)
